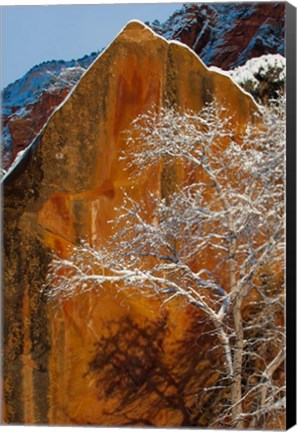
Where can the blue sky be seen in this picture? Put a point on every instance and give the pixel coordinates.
(33, 34)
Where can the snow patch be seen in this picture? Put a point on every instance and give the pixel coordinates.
(18, 158)
(260, 65)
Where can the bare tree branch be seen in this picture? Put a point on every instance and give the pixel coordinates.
(216, 243)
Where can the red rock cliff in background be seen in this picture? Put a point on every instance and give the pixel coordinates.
(66, 187)
(227, 35)
(223, 35)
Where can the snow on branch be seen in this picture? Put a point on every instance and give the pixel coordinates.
(216, 242)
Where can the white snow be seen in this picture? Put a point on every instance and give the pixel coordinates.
(257, 65)
(19, 156)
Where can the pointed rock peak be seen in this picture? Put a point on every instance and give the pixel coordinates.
(135, 25)
(134, 28)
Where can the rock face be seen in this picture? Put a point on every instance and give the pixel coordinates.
(24, 128)
(28, 102)
(223, 35)
(227, 35)
(66, 187)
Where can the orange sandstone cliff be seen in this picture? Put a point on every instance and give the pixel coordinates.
(225, 35)
(66, 187)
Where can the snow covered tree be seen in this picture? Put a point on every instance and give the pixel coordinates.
(263, 77)
(215, 240)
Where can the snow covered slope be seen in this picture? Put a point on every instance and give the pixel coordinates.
(28, 102)
(263, 76)
(228, 34)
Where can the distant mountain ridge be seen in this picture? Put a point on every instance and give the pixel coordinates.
(47, 75)
(29, 101)
(225, 35)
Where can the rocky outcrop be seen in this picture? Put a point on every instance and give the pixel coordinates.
(223, 35)
(23, 127)
(28, 103)
(228, 34)
(65, 188)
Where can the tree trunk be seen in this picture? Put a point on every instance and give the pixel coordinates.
(236, 394)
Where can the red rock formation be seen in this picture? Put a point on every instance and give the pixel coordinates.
(67, 187)
(223, 35)
(23, 129)
(227, 35)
